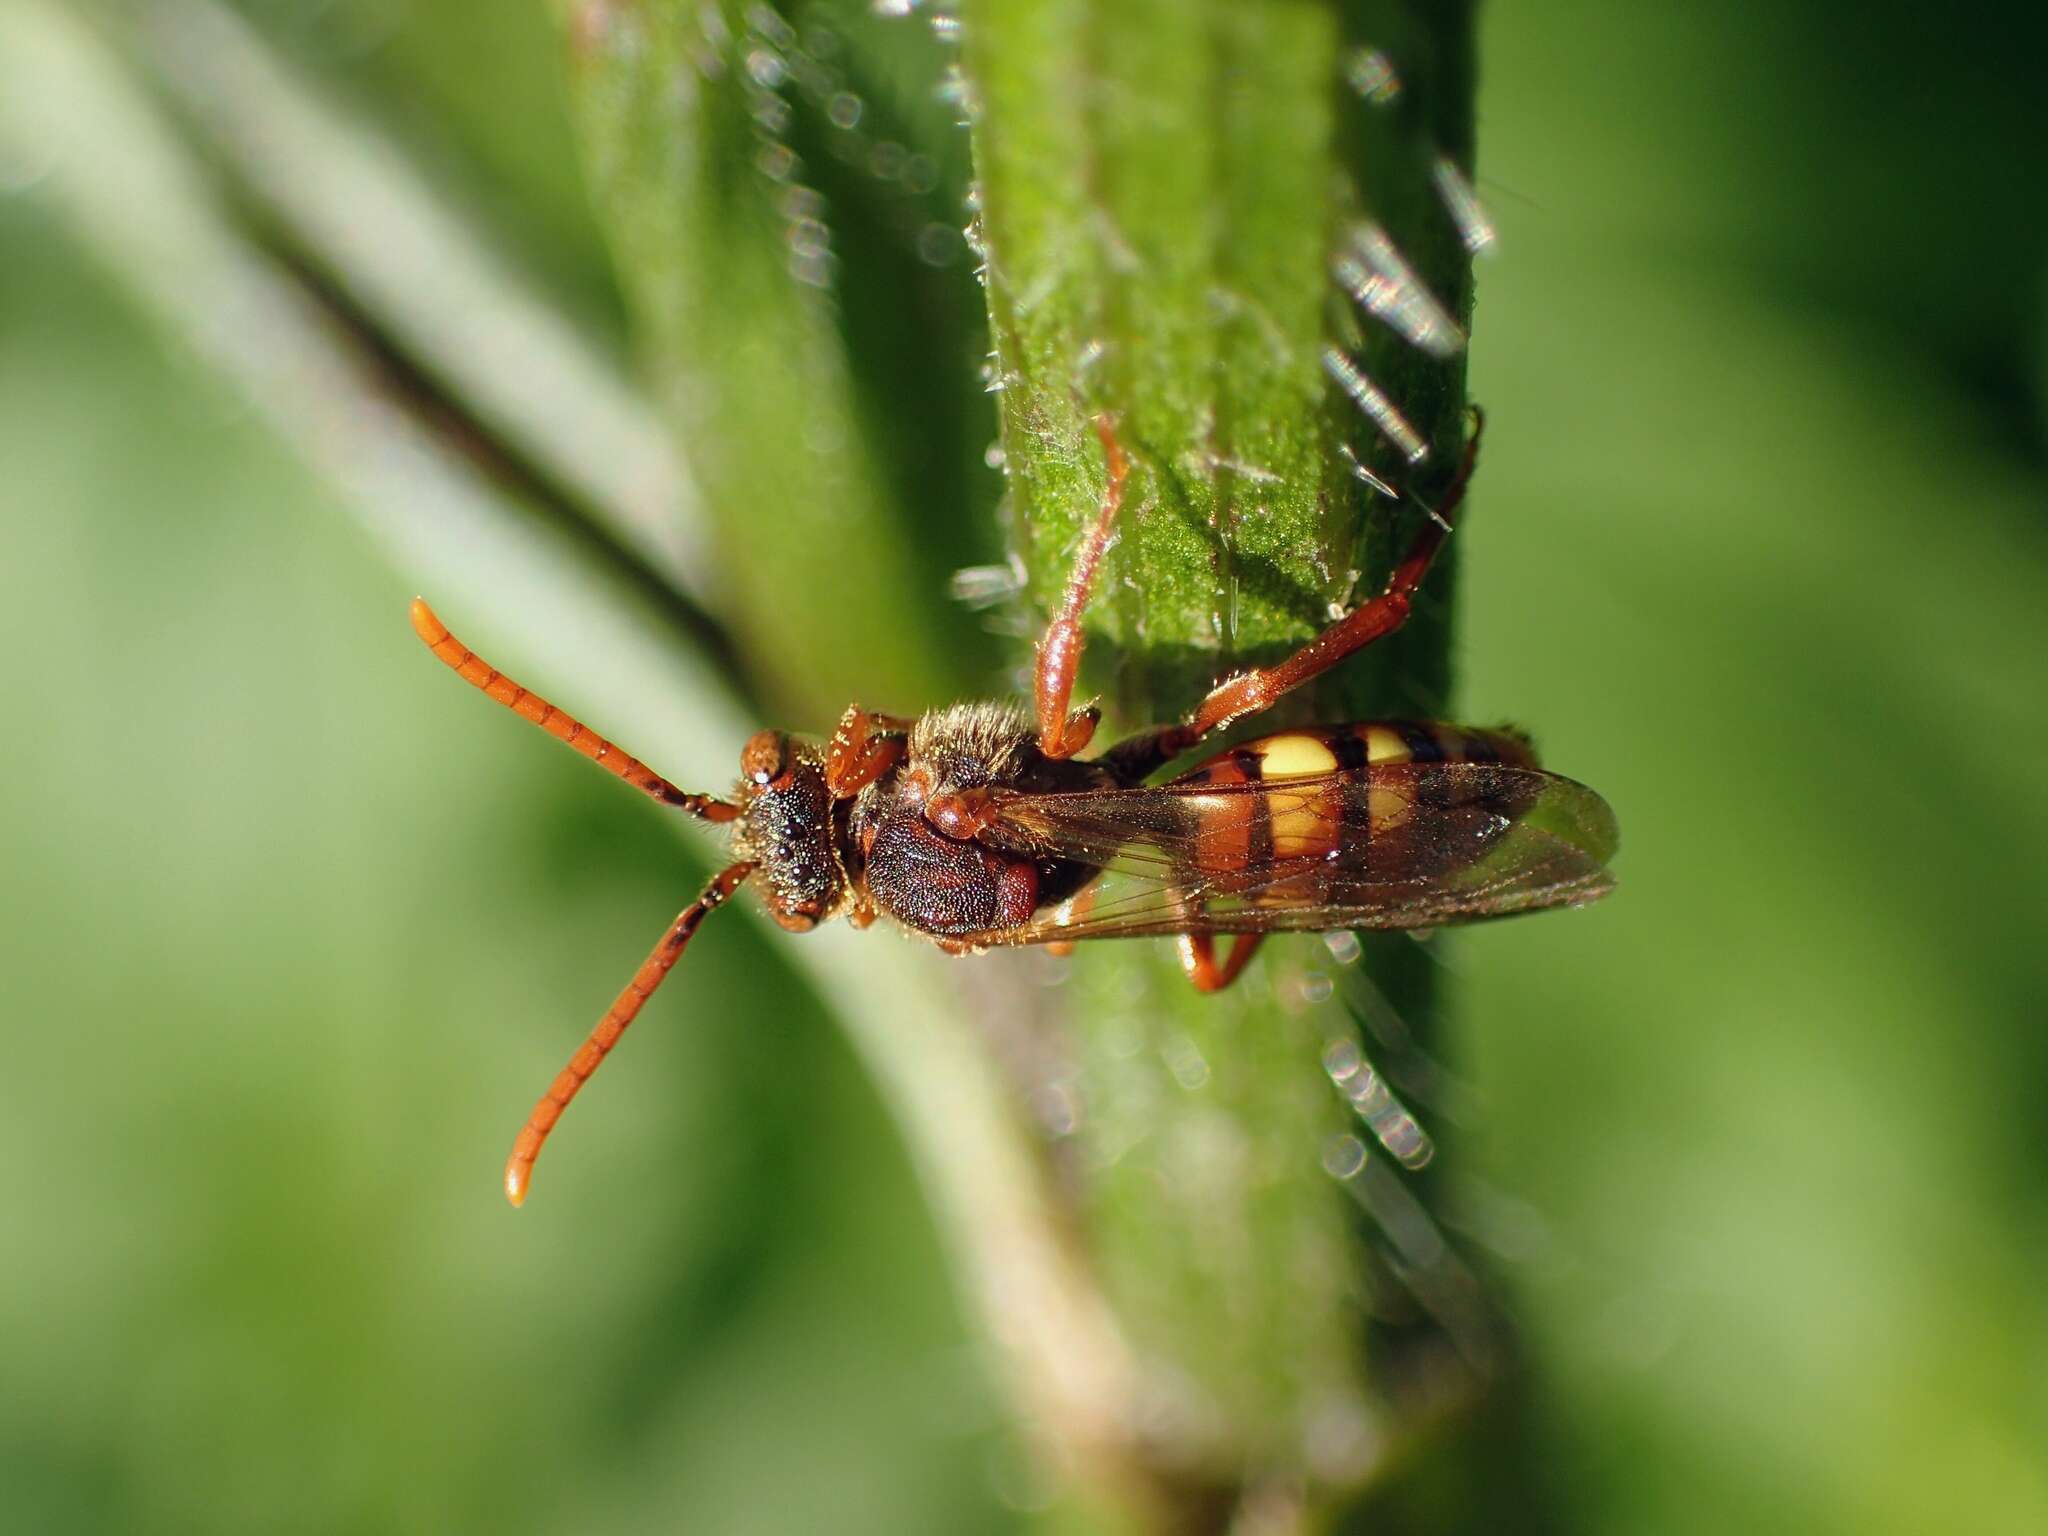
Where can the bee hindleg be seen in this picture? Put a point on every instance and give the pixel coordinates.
(1250, 692)
(1198, 959)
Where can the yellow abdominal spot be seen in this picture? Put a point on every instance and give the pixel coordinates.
(1384, 746)
(1302, 825)
(1294, 757)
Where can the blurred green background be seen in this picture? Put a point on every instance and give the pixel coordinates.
(295, 927)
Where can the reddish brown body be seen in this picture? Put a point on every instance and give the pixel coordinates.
(979, 826)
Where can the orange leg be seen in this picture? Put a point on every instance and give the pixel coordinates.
(624, 1009)
(1077, 909)
(962, 814)
(480, 674)
(1061, 734)
(1250, 692)
(1198, 959)
(863, 748)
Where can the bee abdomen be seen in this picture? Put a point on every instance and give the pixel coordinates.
(1319, 749)
(1243, 832)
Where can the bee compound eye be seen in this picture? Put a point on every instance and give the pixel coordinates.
(764, 757)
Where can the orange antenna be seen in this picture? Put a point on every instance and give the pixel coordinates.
(481, 675)
(624, 1009)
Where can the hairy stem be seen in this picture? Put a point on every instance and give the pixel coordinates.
(1164, 189)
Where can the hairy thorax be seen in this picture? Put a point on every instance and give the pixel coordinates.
(914, 827)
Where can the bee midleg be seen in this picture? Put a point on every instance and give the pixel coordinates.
(1061, 734)
(1198, 959)
(1250, 692)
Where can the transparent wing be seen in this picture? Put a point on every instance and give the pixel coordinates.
(1390, 845)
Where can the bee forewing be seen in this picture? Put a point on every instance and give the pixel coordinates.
(1385, 845)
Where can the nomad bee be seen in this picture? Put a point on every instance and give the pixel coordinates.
(980, 825)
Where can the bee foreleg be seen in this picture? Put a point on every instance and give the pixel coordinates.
(863, 748)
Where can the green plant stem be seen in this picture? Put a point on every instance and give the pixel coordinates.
(1162, 188)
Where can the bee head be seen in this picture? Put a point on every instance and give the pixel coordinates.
(785, 828)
